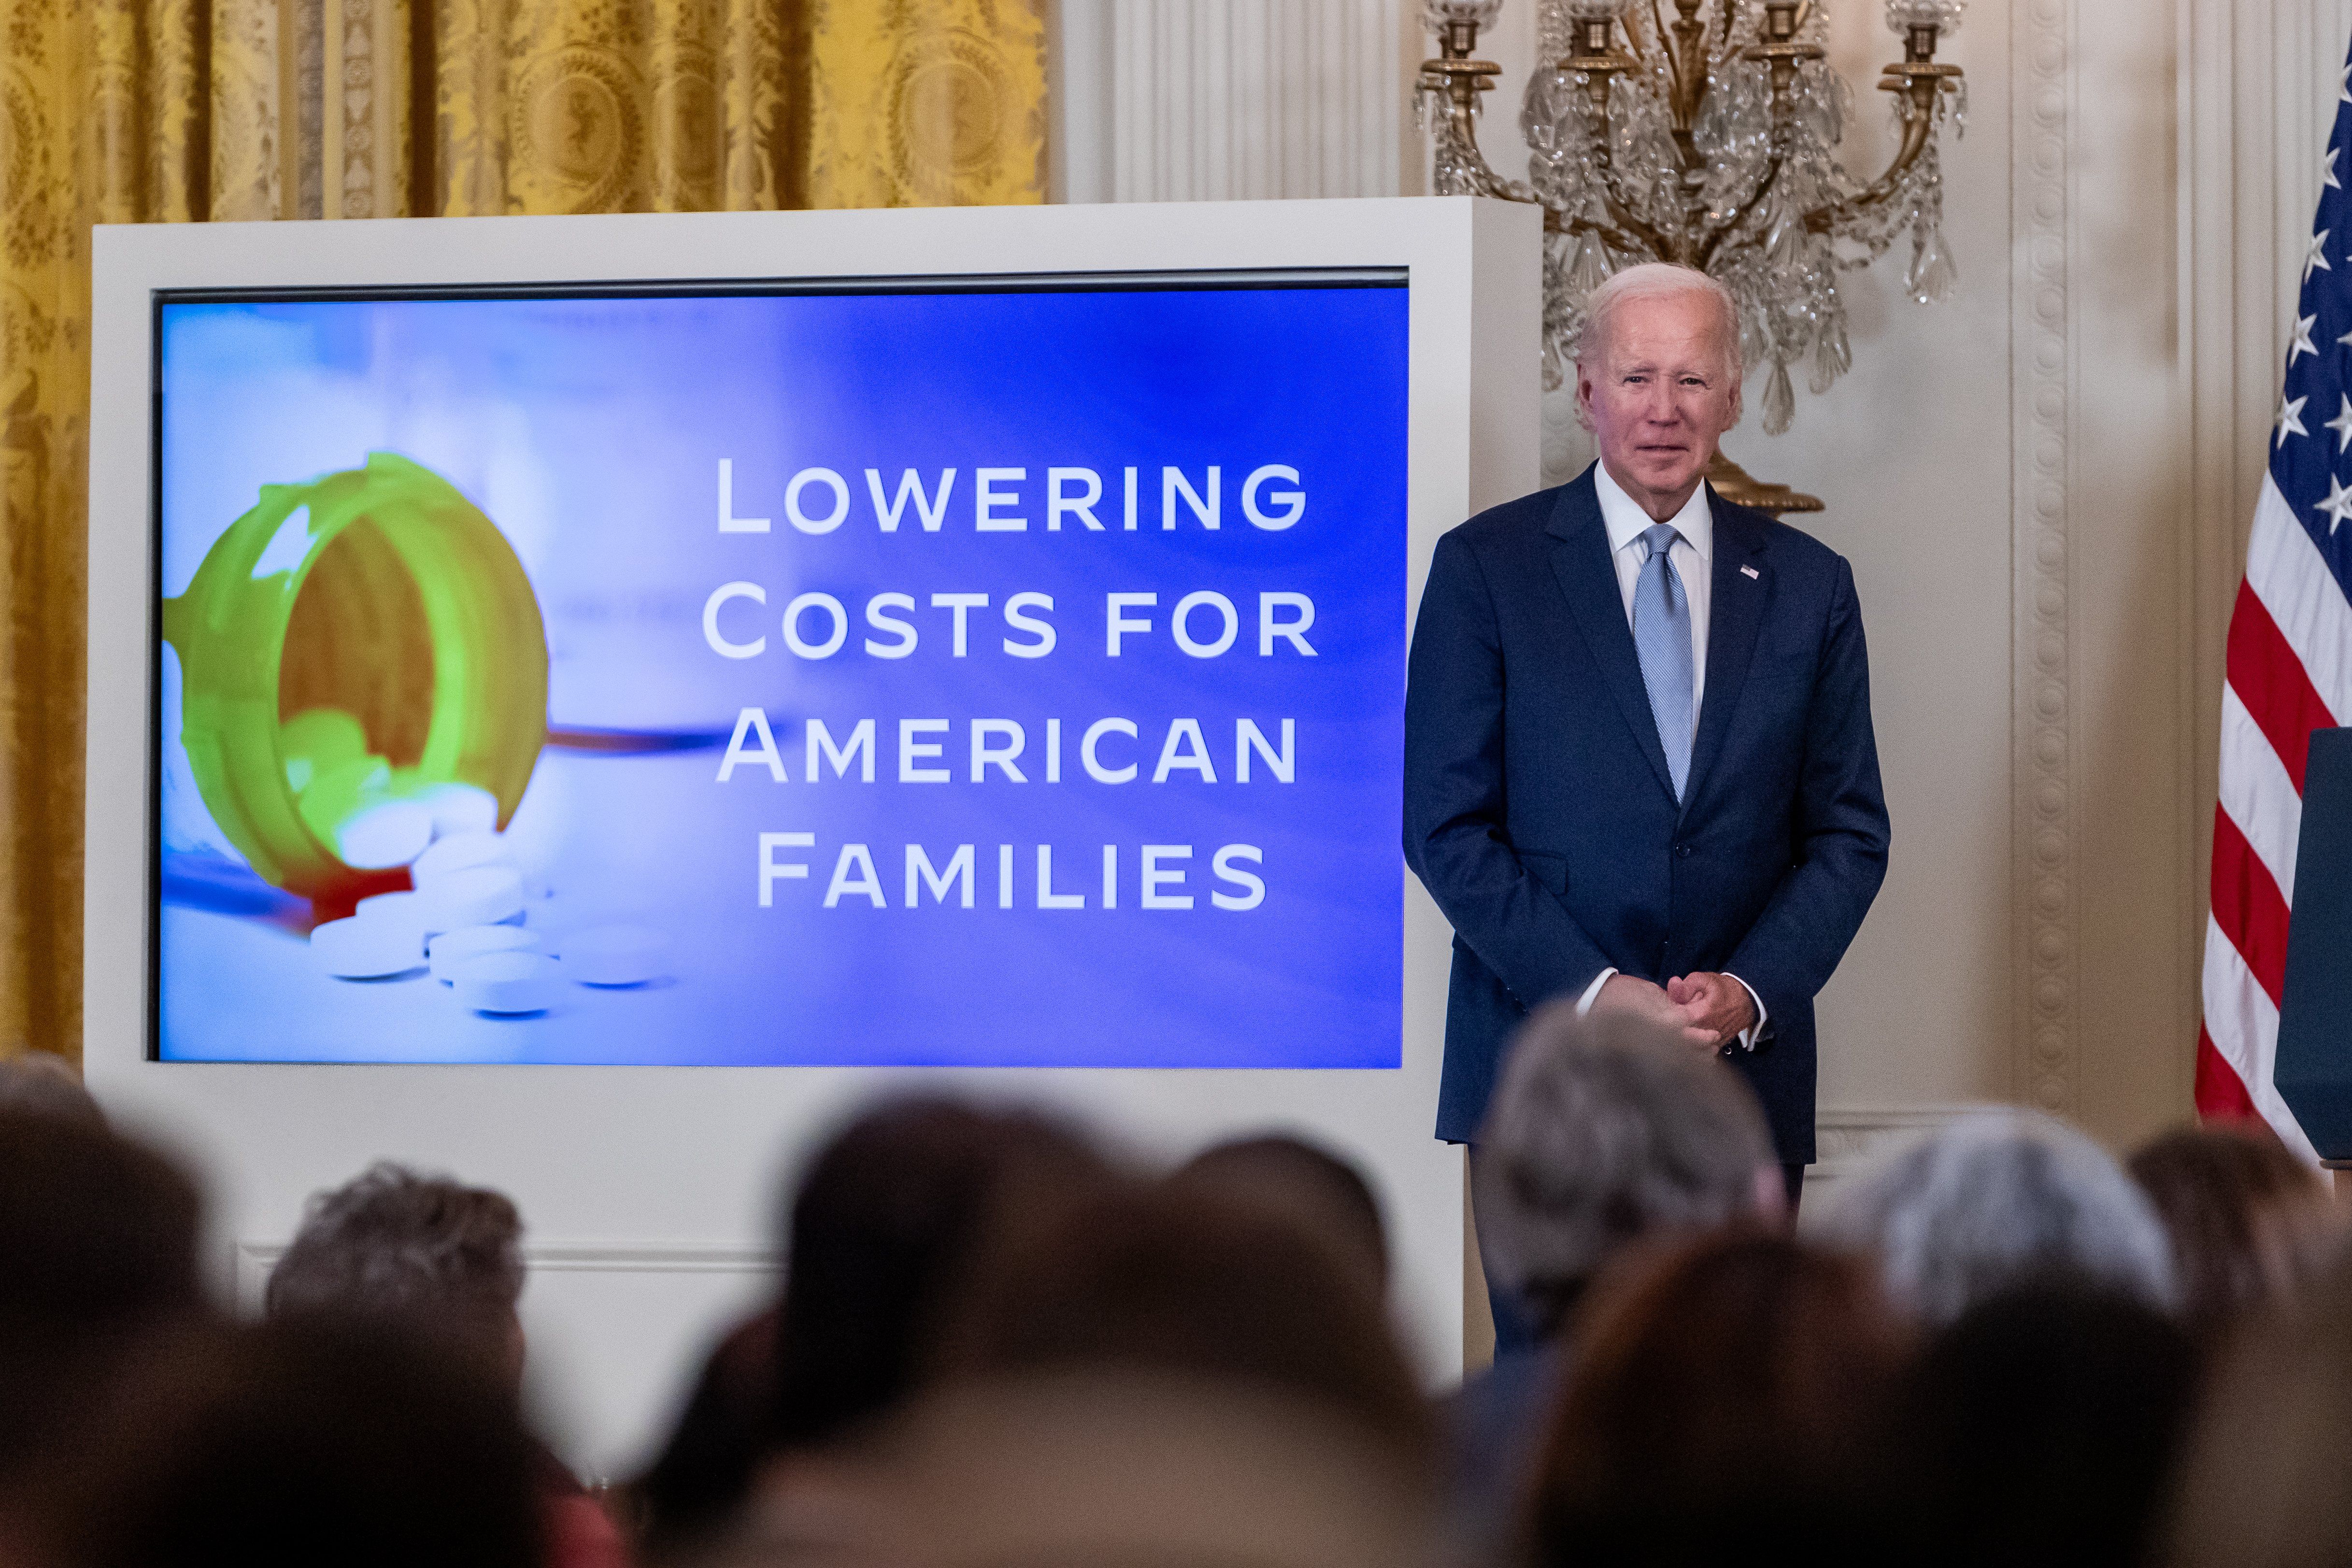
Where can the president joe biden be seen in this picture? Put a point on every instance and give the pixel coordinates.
(1638, 767)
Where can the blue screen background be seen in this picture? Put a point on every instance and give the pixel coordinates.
(589, 430)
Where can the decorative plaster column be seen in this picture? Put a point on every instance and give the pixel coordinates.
(2042, 379)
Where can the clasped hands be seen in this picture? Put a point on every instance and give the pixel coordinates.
(1705, 1009)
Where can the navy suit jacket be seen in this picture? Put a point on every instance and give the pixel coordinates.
(1540, 813)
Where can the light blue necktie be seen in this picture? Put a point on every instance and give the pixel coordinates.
(1662, 636)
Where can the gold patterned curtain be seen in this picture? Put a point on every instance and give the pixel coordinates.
(183, 110)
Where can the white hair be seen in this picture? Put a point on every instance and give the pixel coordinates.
(1657, 280)
(1599, 1135)
(1999, 1199)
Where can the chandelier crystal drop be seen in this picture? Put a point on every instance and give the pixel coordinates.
(1710, 139)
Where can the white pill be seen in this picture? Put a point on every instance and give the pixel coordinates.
(377, 837)
(615, 955)
(452, 948)
(362, 949)
(457, 852)
(416, 913)
(407, 912)
(377, 905)
(476, 896)
(505, 982)
(461, 809)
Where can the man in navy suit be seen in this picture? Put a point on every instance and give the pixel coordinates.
(1638, 767)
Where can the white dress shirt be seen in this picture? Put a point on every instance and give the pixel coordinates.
(1692, 555)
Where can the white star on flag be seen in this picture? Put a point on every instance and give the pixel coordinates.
(2328, 171)
(2336, 503)
(2316, 257)
(2302, 344)
(2290, 418)
(2342, 425)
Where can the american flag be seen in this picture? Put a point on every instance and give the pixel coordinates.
(2289, 672)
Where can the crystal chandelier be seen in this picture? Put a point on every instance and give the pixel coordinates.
(1709, 140)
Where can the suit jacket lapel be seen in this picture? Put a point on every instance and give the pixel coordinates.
(1735, 615)
(1579, 561)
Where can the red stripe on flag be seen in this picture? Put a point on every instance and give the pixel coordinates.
(2221, 1094)
(2271, 681)
(2248, 908)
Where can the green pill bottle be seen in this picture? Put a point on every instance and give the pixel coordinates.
(365, 639)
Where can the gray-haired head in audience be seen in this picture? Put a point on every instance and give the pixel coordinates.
(1602, 1133)
(1997, 1199)
(426, 1252)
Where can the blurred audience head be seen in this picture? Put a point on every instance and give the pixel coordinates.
(1177, 1281)
(990, 1347)
(94, 1228)
(705, 1470)
(1995, 1200)
(2261, 1484)
(292, 1443)
(1170, 1371)
(40, 1082)
(1604, 1132)
(1102, 1466)
(1322, 1191)
(2039, 1427)
(2250, 1223)
(425, 1252)
(98, 1240)
(887, 1224)
(1724, 1395)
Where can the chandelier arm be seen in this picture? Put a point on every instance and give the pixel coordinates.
(1918, 131)
(1658, 24)
(1781, 58)
(1477, 177)
(1597, 71)
(1643, 235)
(1621, 214)
(1741, 212)
(1456, 80)
(1613, 236)
(1687, 69)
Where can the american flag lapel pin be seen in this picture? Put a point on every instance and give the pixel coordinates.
(1751, 572)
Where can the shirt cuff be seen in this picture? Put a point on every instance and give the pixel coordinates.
(1747, 1036)
(1592, 993)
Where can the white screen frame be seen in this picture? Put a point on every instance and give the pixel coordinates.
(668, 1169)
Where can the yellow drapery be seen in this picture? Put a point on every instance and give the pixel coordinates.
(175, 110)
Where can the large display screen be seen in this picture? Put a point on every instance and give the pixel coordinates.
(999, 672)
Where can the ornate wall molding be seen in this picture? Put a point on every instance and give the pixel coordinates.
(2042, 771)
(1850, 1136)
(254, 1259)
(1233, 99)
